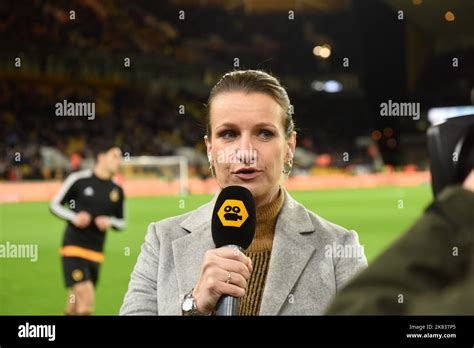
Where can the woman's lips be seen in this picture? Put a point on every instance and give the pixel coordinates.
(248, 176)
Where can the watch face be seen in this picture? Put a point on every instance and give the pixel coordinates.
(188, 304)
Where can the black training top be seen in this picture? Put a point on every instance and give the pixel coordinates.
(84, 191)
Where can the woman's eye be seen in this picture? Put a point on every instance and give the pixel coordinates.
(266, 134)
(227, 134)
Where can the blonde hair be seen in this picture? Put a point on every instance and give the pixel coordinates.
(253, 81)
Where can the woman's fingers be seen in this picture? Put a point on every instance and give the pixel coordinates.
(214, 280)
(233, 266)
(232, 290)
(232, 278)
(234, 254)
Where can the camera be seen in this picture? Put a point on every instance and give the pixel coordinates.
(451, 150)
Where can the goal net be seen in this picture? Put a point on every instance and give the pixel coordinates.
(165, 168)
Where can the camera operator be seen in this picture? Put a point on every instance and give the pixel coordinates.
(429, 270)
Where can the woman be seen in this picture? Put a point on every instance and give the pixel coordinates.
(291, 267)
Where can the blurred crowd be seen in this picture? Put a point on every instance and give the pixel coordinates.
(155, 106)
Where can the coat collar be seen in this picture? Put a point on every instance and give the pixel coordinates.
(292, 221)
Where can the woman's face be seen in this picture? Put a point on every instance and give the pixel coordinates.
(248, 144)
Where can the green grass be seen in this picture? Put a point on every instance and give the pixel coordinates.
(36, 288)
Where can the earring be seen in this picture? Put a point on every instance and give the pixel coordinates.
(211, 169)
(287, 167)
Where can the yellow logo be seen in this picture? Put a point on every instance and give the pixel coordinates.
(114, 195)
(232, 213)
(77, 275)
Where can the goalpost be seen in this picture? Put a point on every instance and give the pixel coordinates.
(167, 168)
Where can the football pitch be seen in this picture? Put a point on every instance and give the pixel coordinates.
(379, 215)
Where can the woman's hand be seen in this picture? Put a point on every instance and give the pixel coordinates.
(214, 279)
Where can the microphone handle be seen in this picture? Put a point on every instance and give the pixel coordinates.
(228, 305)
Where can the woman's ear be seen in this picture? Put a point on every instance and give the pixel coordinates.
(208, 144)
(291, 142)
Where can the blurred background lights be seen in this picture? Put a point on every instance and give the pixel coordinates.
(449, 16)
(388, 132)
(376, 135)
(323, 51)
(330, 86)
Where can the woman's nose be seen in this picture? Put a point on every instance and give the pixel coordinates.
(245, 153)
(245, 143)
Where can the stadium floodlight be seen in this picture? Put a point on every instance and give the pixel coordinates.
(159, 166)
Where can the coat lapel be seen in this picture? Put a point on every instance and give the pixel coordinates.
(289, 256)
(188, 251)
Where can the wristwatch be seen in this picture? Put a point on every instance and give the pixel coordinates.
(188, 307)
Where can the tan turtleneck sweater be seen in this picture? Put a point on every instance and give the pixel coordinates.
(260, 251)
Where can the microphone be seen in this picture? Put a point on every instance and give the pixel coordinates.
(234, 220)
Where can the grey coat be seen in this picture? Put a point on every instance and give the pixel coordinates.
(305, 269)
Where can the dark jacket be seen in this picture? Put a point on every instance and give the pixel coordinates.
(429, 270)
